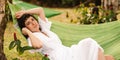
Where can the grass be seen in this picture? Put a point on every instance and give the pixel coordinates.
(11, 54)
(62, 17)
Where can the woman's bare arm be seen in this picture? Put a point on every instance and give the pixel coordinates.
(38, 11)
(36, 43)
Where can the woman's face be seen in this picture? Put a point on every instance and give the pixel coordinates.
(32, 24)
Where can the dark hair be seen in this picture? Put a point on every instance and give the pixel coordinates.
(22, 19)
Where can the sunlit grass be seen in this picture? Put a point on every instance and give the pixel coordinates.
(11, 54)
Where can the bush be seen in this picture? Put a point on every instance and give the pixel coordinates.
(94, 14)
(55, 3)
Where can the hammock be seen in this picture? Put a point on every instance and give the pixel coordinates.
(107, 34)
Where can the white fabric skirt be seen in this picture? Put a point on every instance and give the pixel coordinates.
(86, 49)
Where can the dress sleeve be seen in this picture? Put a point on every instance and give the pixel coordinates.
(45, 46)
(44, 25)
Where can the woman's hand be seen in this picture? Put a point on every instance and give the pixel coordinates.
(19, 13)
(25, 31)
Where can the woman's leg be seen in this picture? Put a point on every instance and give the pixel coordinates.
(101, 55)
(108, 57)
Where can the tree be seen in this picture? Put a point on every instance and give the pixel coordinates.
(3, 22)
(106, 4)
(115, 4)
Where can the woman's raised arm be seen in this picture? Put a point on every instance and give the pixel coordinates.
(38, 11)
(36, 43)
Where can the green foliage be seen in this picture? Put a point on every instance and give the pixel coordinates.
(89, 15)
(12, 54)
(45, 57)
(56, 3)
(70, 3)
(15, 59)
(12, 45)
(91, 4)
(17, 43)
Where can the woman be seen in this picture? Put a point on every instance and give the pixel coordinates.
(47, 42)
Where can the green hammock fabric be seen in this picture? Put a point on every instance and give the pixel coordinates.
(25, 6)
(107, 35)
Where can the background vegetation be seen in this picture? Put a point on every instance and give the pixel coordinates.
(62, 3)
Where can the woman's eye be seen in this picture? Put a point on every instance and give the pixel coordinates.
(32, 19)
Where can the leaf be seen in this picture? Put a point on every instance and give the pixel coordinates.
(18, 48)
(45, 58)
(18, 43)
(12, 45)
(27, 48)
(21, 51)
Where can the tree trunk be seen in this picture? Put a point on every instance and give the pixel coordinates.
(3, 22)
(106, 4)
(115, 4)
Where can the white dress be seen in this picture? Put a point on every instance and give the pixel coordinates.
(86, 49)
